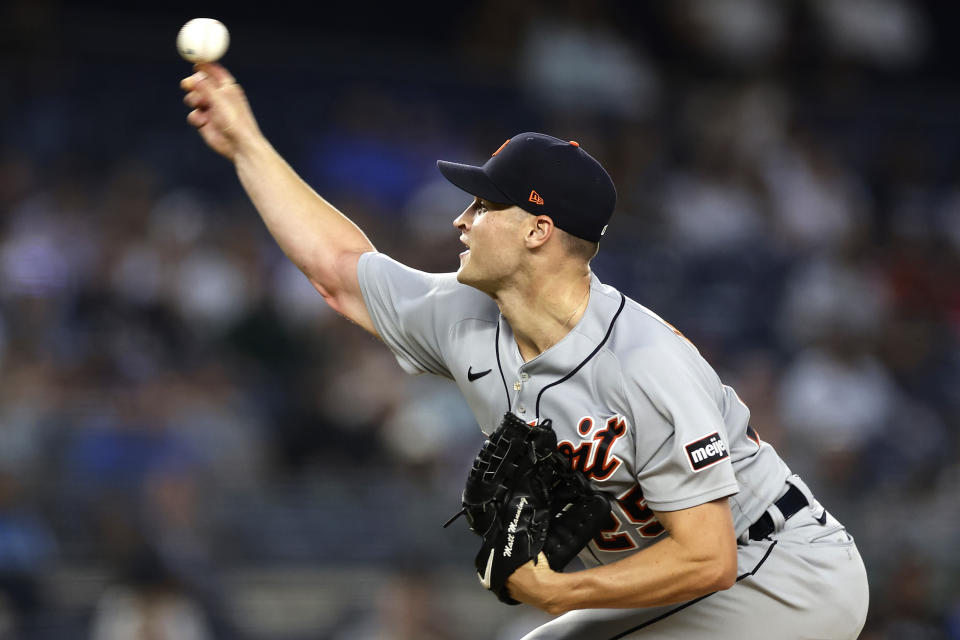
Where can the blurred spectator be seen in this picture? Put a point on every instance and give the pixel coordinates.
(818, 204)
(27, 552)
(833, 296)
(744, 34)
(147, 603)
(433, 425)
(834, 401)
(711, 209)
(887, 33)
(404, 609)
(574, 60)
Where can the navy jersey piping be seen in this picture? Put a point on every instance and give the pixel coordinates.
(623, 301)
(496, 347)
(695, 601)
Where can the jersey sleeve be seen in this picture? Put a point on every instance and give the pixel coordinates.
(682, 446)
(411, 310)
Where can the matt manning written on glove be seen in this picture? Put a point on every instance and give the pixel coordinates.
(523, 496)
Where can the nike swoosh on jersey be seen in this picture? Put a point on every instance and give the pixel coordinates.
(485, 578)
(471, 376)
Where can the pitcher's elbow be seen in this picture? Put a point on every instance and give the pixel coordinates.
(725, 572)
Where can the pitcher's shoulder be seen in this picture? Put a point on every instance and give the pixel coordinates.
(408, 284)
(641, 328)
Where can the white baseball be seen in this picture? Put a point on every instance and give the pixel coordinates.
(203, 40)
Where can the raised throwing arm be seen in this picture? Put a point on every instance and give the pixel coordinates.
(320, 240)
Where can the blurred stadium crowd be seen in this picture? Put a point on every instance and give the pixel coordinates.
(190, 439)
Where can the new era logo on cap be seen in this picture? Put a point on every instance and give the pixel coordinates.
(706, 452)
(535, 198)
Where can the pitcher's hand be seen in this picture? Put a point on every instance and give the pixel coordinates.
(221, 112)
(539, 586)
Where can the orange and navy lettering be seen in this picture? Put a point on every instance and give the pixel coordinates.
(612, 538)
(594, 457)
(617, 537)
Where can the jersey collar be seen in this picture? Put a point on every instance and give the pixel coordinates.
(572, 351)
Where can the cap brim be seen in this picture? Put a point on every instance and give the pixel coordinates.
(473, 180)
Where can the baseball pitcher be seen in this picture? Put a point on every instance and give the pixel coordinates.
(608, 434)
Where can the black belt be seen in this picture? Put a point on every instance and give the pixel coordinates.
(789, 504)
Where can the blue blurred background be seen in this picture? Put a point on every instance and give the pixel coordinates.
(192, 446)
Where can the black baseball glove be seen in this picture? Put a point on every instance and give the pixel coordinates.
(522, 497)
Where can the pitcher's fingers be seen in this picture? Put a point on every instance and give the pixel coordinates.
(216, 71)
(195, 99)
(190, 82)
(198, 118)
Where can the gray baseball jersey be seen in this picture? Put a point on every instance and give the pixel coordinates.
(631, 400)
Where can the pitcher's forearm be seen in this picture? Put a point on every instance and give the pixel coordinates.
(664, 573)
(321, 241)
(309, 230)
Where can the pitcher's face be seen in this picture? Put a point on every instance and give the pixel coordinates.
(493, 234)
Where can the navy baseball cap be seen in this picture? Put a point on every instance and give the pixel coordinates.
(543, 175)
